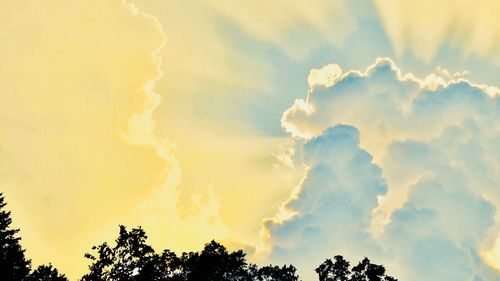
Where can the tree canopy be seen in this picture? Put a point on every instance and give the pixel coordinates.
(131, 259)
(46, 273)
(340, 271)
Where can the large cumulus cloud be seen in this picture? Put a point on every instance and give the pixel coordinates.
(431, 143)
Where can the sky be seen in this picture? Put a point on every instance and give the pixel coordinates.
(296, 130)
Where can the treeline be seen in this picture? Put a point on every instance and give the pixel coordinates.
(130, 258)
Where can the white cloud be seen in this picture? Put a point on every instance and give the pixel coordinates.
(333, 203)
(433, 140)
(325, 76)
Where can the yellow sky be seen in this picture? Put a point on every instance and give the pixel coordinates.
(71, 79)
(79, 150)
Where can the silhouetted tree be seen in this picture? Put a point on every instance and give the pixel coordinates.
(366, 271)
(339, 271)
(131, 259)
(216, 263)
(13, 264)
(276, 273)
(46, 273)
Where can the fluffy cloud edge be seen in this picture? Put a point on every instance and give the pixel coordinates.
(302, 113)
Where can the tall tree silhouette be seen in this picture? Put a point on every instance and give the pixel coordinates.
(46, 273)
(13, 264)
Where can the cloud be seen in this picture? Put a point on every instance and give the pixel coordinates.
(423, 27)
(334, 202)
(79, 150)
(431, 143)
(325, 76)
(436, 234)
